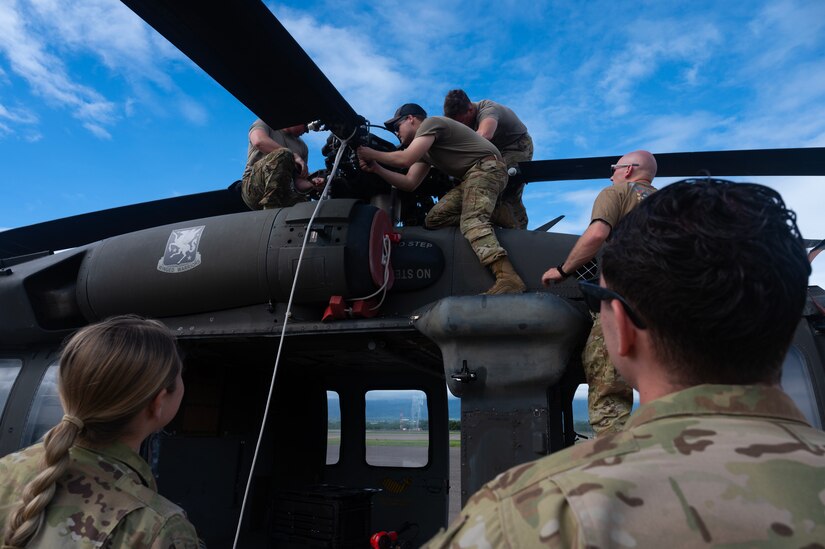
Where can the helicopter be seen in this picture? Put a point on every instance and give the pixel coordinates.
(334, 305)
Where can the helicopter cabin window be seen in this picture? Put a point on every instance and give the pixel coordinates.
(397, 428)
(46, 409)
(9, 368)
(581, 415)
(333, 428)
(581, 420)
(796, 382)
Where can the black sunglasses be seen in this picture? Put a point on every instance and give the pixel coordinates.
(397, 126)
(595, 294)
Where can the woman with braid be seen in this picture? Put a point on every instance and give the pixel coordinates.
(85, 485)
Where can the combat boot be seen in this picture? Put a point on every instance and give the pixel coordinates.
(507, 279)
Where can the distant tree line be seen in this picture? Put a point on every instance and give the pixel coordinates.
(581, 427)
(394, 425)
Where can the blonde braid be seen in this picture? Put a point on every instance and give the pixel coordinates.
(109, 371)
(27, 517)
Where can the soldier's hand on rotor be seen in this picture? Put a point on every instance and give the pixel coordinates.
(366, 165)
(551, 275)
(365, 153)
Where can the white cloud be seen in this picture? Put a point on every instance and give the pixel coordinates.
(20, 121)
(661, 41)
(110, 31)
(45, 73)
(42, 39)
(436, 31)
(392, 56)
(783, 29)
(367, 79)
(678, 132)
(97, 130)
(193, 111)
(17, 115)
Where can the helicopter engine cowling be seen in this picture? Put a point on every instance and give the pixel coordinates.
(237, 260)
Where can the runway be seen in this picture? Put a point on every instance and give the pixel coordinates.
(410, 456)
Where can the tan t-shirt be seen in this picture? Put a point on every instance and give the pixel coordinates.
(616, 201)
(456, 148)
(509, 128)
(291, 142)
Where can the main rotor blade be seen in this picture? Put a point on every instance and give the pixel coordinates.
(789, 162)
(77, 230)
(246, 50)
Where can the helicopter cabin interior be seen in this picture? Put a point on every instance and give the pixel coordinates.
(317, 479)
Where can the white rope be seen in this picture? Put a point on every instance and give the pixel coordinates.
(287, 316)
(386, 252)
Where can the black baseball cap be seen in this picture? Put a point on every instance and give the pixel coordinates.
(402, 112)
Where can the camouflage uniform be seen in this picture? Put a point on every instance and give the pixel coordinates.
(511, 200)
(268, 179)
(470, 204)
(107, 498)
(609, 397)
(709, 466)
(270, 182)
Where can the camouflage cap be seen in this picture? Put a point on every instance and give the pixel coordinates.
(404, 110)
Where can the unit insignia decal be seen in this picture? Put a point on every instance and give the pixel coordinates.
(181, 253)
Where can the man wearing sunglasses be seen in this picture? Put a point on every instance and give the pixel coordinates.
(609, 397)
(458, 151)
(699, 320)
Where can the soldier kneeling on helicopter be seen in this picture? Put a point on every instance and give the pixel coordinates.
(276, 168)
(458, 151)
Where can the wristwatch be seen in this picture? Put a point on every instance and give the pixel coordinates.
(561, 270)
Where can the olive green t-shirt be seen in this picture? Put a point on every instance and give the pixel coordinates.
(616, 201)
(291, 142)
(456, 148)
(509, 129)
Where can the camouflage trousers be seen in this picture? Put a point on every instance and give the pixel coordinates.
(470, 205)
(269, 185)
(510, 212)
(609, 397)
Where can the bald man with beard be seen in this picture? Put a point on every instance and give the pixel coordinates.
(609, 397)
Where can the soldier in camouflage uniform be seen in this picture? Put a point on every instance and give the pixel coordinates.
(508, 133)
(458, 151)
(609, 397)
(699, 320)
(276, 167)
(85, 485)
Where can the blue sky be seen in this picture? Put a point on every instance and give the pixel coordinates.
(97, 110)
